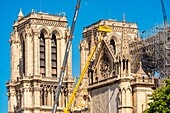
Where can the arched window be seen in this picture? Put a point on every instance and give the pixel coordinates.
(112, 43)
(124, 64)
(54, 55)
(23, 55)
(42, 54)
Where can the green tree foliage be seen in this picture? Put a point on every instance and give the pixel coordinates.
(161, 100)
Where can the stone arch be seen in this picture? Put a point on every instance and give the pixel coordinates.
(129, 89)
(44, 30)
(115, 37)
(57, 32)
(123, 90)
(113, 45)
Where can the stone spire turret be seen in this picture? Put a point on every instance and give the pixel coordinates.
(20, 15)
(140, 71)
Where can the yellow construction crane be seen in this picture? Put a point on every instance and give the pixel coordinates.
(102, 29)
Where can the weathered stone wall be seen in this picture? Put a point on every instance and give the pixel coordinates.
(105, 99)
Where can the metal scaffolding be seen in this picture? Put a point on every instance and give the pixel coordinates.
(155, 52)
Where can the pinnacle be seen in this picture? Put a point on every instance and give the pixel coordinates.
(20, 15)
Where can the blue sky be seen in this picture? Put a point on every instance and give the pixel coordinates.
(146, 13)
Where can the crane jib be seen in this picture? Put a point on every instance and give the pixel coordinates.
(68, 45)
(75, 16)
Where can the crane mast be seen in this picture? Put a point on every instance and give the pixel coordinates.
(66, 57)
(164, 12)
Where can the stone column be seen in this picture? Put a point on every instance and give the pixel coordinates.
(62, 98)
(63, 46)
(129, 67)
(12, 99)
(21, 98)
(14, 56)
(52, 96)
(30, 96)
(38, 56)
(49, 97)
(117, 45)
(41, 95)
(36, 98)
(122, 72)
(27, 97)
(125, 70)
(93, 43)
(47, 57)
(59, 61)
(120, 68)
(13, 61)
(36, 51)
(127, 106)
(45, 96)
(129, 100)
(28, 52)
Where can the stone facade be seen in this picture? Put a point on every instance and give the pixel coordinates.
(38, 44)
(115, 83)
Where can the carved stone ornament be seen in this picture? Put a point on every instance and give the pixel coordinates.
(105, 66)
(27, 30)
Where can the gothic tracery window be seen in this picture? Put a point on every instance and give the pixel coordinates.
(42, 54)
(54, 55)
(105, 66)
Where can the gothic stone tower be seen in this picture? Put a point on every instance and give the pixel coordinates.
(37, 45)
(112, 86)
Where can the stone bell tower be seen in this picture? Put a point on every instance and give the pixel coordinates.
(112, 85)
(37, 46)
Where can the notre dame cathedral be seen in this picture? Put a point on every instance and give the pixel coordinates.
(115, 81)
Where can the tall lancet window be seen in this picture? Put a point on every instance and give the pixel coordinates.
(23, 55)
(112, 43)
(42, 54)
(54, 56)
